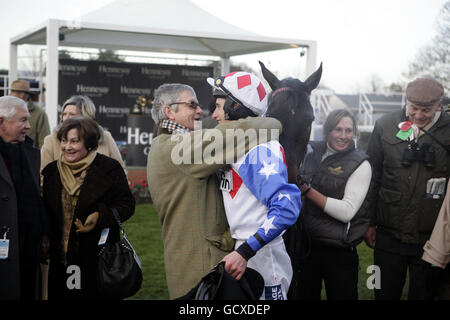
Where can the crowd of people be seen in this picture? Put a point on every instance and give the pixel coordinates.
(57, 192)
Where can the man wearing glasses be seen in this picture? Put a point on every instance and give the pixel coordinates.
(186, 195)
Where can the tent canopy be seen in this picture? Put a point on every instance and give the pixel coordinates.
(158, 26)
(148, 25)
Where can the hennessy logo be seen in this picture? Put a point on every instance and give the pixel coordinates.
(336, 171)
(91, 89)
(107, 69)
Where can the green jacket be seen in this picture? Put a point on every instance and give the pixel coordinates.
(189, 202)
(397, 197)
(40, 127)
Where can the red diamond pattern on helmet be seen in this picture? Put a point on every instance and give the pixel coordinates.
(244, 81)
(230, 74)
(261, 91)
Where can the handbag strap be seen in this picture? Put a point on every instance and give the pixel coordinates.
(122, 230)
(117, 218)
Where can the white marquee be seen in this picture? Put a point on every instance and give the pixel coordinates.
(167, 26)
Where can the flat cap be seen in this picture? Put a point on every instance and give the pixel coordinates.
(424, 91)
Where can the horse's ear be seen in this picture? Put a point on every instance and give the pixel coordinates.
(269, 76)
(313, 80)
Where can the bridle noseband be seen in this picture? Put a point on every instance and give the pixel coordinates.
(283, 89)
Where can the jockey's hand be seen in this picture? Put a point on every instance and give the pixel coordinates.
(303, 181)
(235, 265)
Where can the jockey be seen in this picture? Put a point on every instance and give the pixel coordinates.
(259, 202)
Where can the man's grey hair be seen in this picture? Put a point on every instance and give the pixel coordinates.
(165, 95)
(8, 106)
(84, 105)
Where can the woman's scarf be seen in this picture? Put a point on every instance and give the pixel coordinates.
(70, 170)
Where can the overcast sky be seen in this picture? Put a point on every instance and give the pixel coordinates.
(356, 38)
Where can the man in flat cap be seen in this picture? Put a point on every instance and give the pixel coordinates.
(410, 166)
(40, 127)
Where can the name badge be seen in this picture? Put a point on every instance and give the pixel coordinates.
(4, 249)
(103, 236)
(436, 188)
(226, 181)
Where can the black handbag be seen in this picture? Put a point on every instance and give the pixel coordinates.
(119, 273)
(218, 284)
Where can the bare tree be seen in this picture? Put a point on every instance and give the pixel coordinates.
(376, 84)
(434, 59)
(109, 55)
(29, 61)
(64, 54)
(395, 87)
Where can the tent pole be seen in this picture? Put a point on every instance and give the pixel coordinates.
(12, 75)
(311, 59)
(224, 66)
(51, 96)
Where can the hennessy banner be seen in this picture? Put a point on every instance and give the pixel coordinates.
(114, 88)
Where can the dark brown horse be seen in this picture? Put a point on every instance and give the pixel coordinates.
(289, 102)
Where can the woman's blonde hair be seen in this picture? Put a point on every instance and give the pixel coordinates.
(84, 105)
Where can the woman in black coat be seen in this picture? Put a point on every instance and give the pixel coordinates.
(79, 190)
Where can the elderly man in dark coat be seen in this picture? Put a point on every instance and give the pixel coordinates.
(410, 166)
(22, 215)
(39, 126)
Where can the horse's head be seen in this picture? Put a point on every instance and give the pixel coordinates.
(289, 102)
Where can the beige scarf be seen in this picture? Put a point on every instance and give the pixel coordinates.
(69, 170)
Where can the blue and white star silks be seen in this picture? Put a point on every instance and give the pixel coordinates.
(268, 225)
(280, 196)
(261, 204)
(268, 169)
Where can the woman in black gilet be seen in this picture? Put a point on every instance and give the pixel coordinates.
(334, 179)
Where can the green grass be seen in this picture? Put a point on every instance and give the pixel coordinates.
(366, 259)
(144, 232)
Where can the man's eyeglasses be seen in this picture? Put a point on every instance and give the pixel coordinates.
(191, 104)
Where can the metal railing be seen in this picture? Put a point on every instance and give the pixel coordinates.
(365, 110)
(5, 78)
(5, 85)
(320, 104)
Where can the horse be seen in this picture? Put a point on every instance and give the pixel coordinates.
(289, 103)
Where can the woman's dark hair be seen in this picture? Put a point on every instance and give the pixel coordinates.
(88, 130)
(333, 119)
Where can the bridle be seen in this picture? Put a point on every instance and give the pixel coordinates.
(283, 89)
